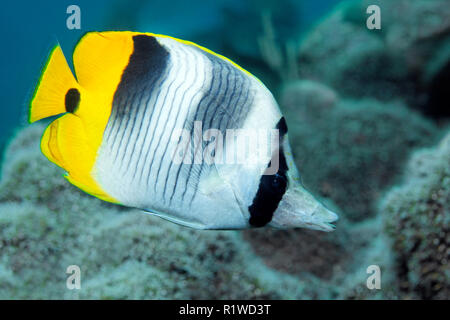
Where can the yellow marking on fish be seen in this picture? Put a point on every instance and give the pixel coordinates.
(73, 140)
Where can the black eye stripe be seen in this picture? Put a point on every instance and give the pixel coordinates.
(72, 100)
(271, 187)
(270, 192)
(282, 127)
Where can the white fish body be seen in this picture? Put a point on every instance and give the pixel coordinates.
(167, 87)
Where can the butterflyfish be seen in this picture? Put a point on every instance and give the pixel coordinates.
(129, 107)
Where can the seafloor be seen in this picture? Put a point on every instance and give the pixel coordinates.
(368, 117)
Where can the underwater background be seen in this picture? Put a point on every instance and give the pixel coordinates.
(368, 113)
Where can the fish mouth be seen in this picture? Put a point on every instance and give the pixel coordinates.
(323, 219)
(299, 209)
(322, 226)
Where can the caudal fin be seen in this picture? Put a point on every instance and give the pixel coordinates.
(50, 94)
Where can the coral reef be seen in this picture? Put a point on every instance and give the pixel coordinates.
(339, 259)
(417, 219)
(46, 224)
(357, 107)
(409, 58)
(349, 150)
(352, 127)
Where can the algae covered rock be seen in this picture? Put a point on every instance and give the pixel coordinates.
(350, 150)
(339, 259)
(408, 58)
(347, 151)
(306, 94)
(417, 219)
(349, 58)
(46, 225)
(301, 252)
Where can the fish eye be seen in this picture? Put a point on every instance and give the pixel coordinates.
(278, 181)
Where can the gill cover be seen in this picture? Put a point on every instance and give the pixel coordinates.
(72, 141)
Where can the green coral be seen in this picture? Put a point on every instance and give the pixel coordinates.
(46, 225)
(417, 218)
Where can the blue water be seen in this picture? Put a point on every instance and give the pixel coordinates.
(30, 29)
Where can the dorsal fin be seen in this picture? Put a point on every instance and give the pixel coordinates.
(100, 58)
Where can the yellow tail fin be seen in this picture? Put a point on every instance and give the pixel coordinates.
(50, 94)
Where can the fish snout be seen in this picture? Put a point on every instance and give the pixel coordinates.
(299, 209)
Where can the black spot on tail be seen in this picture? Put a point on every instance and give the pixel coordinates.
(72, 100)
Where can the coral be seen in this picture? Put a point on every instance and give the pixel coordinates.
(407, 59)
(301, 252)
(349, 150)
(368, 246)
(339, 259)
(417, 219)
(348, 58)
(168, 261)
(348, 95)
(46, 224)
(310, 96)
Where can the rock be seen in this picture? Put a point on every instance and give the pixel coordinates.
(339, 259)
(351, 151)
(308, 97)
(46, 224)
(408, 59)
(301, 252)
(417, 219)
(347, 151)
